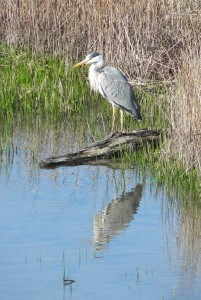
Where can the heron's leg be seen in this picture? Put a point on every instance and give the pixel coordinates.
(113, 116)
(122, 119)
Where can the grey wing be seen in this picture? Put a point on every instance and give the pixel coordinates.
(115, 87)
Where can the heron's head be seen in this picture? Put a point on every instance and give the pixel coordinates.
(91, 58)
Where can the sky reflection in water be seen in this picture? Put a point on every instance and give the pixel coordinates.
(111, 231)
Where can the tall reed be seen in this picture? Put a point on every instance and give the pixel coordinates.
(143, 37)
(185, 103)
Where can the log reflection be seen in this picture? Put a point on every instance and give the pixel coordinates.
(116, 217)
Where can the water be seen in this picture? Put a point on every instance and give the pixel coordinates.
(115, 232)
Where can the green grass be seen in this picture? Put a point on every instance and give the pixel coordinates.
(41, 90)
(48, 86)
(38, 84)
(170, 173)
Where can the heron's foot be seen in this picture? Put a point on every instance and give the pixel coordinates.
(122, 130)
(115, 132)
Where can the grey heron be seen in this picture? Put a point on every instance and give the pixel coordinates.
(112, 84)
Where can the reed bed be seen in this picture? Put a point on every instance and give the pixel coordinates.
(144, 38)
(185, 100)
(151, 41)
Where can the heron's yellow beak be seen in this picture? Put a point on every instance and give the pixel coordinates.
(80, 63)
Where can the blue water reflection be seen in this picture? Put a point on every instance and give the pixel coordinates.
(101, 227)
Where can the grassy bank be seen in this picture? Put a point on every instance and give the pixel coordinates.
(45, 85)
(151, 41)
(45, 98)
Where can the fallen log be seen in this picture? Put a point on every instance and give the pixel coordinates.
(109, 147)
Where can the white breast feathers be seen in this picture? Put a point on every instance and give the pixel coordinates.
(93, 78)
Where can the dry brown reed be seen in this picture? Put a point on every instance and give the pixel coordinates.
(154, 39)
(185, 99)
(144, 37)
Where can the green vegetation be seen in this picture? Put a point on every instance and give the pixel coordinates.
(43, 85)
(38, 84)
(37, 91)
(156, 42)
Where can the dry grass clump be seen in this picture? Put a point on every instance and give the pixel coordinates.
(186, 111)
(143, 37)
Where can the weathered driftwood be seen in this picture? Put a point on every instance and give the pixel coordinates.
(111, 146)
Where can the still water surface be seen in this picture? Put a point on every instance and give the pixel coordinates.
(115, 232)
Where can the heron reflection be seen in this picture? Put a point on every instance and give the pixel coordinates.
(111, 220)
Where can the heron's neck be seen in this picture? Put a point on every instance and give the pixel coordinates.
(94, 71)
(96, 67)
